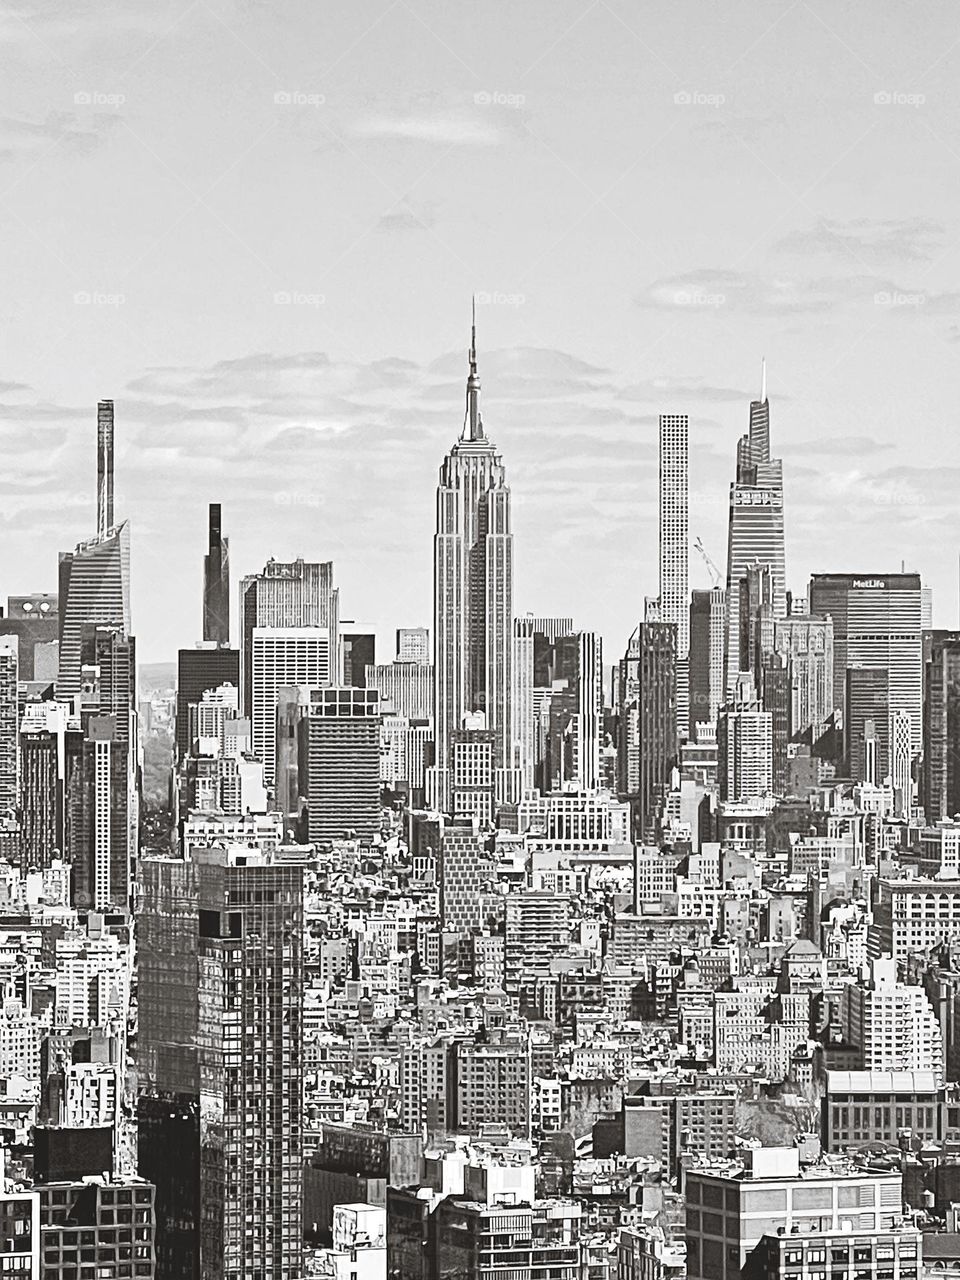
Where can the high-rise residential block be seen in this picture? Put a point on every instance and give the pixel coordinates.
(219, 1061)
(706, 669)
(647, 720)
(745, 746)
(755, 535)
(9, 723)
(473, 591)
(941, 727)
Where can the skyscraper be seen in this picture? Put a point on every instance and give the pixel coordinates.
(94, 588)
(941, 728)
(298, 594)
(674, 547)
(876, 624)
(413, 644)
(338, 736)
(216, 582)
(706, 669)
(745, 746)
(473, 589)
(104, 467)
(282, 657)
(220, 1036)
(9, 724)
(647, 721)
(756, 525)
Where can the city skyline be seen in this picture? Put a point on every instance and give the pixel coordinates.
(603, 309)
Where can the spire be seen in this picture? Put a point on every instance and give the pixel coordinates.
(472, 423)
(763, 379)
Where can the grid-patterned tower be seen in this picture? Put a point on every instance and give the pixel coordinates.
(674, 546)
(756, 525)
(473, 587)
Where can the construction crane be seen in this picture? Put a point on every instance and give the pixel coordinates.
(711, 567)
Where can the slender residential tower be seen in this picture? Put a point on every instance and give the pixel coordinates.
(104, 466)
(473, 589)
(674, 548)
(756, 526)
(216, 583)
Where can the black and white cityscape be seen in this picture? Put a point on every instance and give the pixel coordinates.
(480, 641)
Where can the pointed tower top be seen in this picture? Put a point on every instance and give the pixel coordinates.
(763, 379)
(472, 423)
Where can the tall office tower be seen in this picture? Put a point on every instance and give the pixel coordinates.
(674, 547)
(756, 525)
(219, 1061)
(926, 608)
(473, 590)
(867, 702)
(413, 644)
(282, 657)
(44, 732)
(744, 746)
(9, 724)
(200, 670)
(549, 628)
(756, 620)
(876, 623)
(359, 652)
(35, 621)
(338, 741)
(647, 746)
(805, 644)
(299, 594)
(94, 588)
(104, 467)
(216, 582)
(941, 728)
(706, 670)
(472, 776)
(775, 699)
(95, 578)
(406, 686)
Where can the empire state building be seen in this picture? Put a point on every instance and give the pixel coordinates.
(473, 592)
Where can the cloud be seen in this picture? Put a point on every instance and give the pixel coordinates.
(872, 241)
(21, 138)
(838, 446)
(450, 130)
(406, 218)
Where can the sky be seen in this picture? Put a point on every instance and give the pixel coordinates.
(257, 228)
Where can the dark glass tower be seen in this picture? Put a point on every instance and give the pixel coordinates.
(216, 583)
(647, 748)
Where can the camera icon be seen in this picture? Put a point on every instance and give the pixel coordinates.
(683, 98)
(482, 99)
(282, 99)
(883, 98)
(82, 99)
